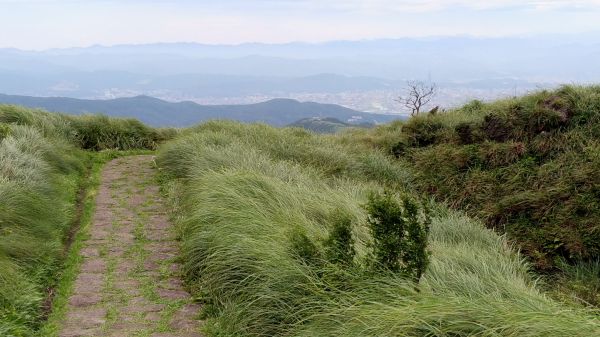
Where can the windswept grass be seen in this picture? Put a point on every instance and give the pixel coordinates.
(38, 179)
(250, 201)
(41, 166)
(90, 132)
(529, 167)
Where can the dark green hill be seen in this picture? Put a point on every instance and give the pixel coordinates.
(529, 166)
(156, 112)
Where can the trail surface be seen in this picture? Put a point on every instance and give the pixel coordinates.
(128, 283)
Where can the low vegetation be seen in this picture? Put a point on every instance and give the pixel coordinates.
(38, 181)
(288, 233)
(529, 167)
(43, 165)
(280, 230)
(89, 132)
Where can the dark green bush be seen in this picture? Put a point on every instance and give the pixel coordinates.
(528, 167)
(304, 249)
(496, 128)
(399, 230)
(422, 130)
(399, 149)
(340, 243)
(465, 133)
(4, 131)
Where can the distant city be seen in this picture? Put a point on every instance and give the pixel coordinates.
(374, 101)
(366, 75)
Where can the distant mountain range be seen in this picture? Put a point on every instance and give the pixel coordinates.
(156, 112)
(559, 58)
(365, 75)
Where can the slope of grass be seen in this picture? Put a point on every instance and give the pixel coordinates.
(38, 180)
(41, 170)
(252, 202)
(529, 167)
(90, 132)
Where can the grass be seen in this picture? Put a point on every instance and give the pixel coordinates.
(526, 166)
(42, 167)
(256, 208)
(90, 132)
(38, 183)
(69, 270)
(242, 195)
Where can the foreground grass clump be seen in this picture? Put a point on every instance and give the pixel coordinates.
(527, 166)
(275, 234)
(42, 168)
(38, 180)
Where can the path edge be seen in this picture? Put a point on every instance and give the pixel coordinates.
(75, 238)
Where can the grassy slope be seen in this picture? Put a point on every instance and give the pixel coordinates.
(38, 181)
(529, 167)
(41, 169)
(243, 194)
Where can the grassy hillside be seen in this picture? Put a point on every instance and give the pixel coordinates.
(42, 167)
(528, 167)
(38, 181)
(257, 207)
(262, 214)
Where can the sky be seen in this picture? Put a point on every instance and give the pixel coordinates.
(44, 24)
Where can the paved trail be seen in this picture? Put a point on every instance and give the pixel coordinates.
(129, 284)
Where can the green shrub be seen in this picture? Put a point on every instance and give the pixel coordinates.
(496, 128)
(422, 130)
(340, 242)
(399, 231)
(465, 132)
(527, 166)
(304, 249)
(4, 131)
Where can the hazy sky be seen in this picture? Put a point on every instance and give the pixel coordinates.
(41, 24)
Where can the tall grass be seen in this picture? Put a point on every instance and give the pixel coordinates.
(91, 132)
(41, 165)
(527, 166)
(242, 197)
(38, 178)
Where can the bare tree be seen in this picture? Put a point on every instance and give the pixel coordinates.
(418, 94)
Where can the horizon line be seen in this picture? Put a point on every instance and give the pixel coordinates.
(304, 42)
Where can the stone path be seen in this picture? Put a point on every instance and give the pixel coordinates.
(128, 284)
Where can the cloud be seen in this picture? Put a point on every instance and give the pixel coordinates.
(365, 6)
(42, 24)
(426, 5)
